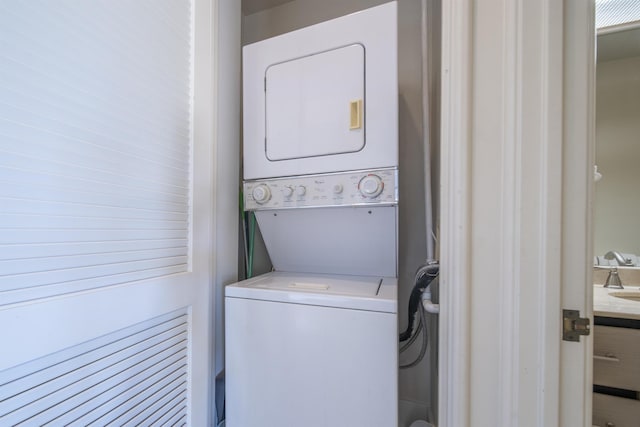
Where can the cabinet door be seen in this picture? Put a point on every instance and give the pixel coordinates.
(612, 411)
(616, 352)
(315, 104)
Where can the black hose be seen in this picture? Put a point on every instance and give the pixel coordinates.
(425, 343)
(414, 337)
(423, 278)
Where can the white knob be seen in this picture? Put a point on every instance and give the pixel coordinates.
(371, 186)
(261, 193)
(337, 189)
(287, 191)
(301, 190)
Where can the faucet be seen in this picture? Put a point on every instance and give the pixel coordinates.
(613, 279)
(619, 258)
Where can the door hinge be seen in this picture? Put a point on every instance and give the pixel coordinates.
(573, 326)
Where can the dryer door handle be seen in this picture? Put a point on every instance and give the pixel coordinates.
(355, 111)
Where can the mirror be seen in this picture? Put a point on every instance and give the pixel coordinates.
(617, 192)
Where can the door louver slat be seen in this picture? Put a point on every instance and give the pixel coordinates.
(134, 376)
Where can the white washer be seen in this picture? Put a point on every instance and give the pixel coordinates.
(311, 350)
(305, 348)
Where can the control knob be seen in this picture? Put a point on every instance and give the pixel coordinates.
(287, 191)
(301, 190)
(371, 186)
(261, 193)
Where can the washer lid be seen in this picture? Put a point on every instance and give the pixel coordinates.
(356, 292)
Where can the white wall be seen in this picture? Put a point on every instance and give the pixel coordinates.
(297, 14)
(414, 383)
(617, 201)
(228, 163)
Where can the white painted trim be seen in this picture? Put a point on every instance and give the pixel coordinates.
(536, 339)
(202, 392)
(502, 223)
(547, 346)
(577, 232)
(455, 191)
(511, 142)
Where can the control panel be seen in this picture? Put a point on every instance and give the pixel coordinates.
(356, 188)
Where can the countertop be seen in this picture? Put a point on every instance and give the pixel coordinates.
(609, 306)
(606, 305)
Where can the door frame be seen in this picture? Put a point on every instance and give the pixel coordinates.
(517, 154)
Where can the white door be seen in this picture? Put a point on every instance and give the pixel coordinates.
(517, 139)
(105, 213)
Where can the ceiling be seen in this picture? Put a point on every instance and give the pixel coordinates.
(252, 6)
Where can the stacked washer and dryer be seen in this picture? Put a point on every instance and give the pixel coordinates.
(314, 342)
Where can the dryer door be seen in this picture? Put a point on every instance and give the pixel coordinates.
(315, 104)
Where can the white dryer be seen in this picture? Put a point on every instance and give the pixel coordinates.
(323, 98)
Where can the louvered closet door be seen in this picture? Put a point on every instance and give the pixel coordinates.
(105, 207)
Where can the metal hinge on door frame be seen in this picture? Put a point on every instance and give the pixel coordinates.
(573, 326)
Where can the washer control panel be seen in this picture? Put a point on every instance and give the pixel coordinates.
(367, 187)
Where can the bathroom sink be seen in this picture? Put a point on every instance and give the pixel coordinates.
(628, 295)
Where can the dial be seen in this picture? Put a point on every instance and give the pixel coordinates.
(301, 190)
(261, 193)
(371, 186)
(338, 188)
(287, 191)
